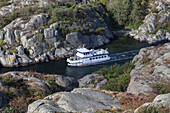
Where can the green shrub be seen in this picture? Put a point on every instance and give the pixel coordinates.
(3, 3)
(101, 20)
(154, 10)
(100, 30)
(161, 88)
(8, 81)
(1, 43)
(137, 24)
(118, 76)
(127, 11)
(156, 30)
(14, 51)
(41, 36)
(164, 26)
(103, 2)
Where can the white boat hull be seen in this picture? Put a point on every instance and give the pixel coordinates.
(87, 61)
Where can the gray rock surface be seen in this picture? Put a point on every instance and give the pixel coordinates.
(92, 81)
(67, 83)
(44, 106)
(79, 100)
(74, 39)
(151, 68)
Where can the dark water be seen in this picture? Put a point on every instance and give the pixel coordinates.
(60, 67)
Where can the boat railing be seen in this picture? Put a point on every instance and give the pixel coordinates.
(74, 58)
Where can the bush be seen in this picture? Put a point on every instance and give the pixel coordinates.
(3, 3)
(164, 26)
(154, 10)
(41, 36)
(161, 88)
(14, 51)
(137, 24)
(9, 81)
(100, 30)
(118, 76)
(103, 2)
(127, 11)
(1, 43)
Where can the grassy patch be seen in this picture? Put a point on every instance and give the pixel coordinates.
(161, 88)
(118, 76)
(1, 43)
(3, 3)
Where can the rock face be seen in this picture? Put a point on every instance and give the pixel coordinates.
(32, 39)
(160, 103)
(39, 83)
(67, 83)
(3, 100)
(79, 100)
(151, 68)
(18, 4)
(92, 81)
(155, 25)
(76, 38)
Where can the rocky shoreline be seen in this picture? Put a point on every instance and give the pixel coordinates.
(86, 95)
(155, 26)
(35, 38)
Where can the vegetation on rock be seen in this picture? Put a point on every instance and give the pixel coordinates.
(3, 3)
(128, 13)
(24, 88)
(118, 76)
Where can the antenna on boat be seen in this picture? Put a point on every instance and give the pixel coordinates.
(83, 45)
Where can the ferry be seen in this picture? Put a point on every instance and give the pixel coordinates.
(86, 57)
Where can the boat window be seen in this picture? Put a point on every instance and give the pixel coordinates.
(90, 58)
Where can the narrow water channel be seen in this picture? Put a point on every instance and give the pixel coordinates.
(121, 44)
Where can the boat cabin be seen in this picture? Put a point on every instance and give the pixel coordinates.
(83, 52)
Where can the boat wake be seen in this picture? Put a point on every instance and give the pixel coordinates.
(123, 55)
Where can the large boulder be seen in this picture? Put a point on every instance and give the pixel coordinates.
(79, 100)
(67, 83)
(92, 81)
(74, 39)
(151, 69)
(44, 106)
(51, 35)
(38, 19)
(9, 36)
